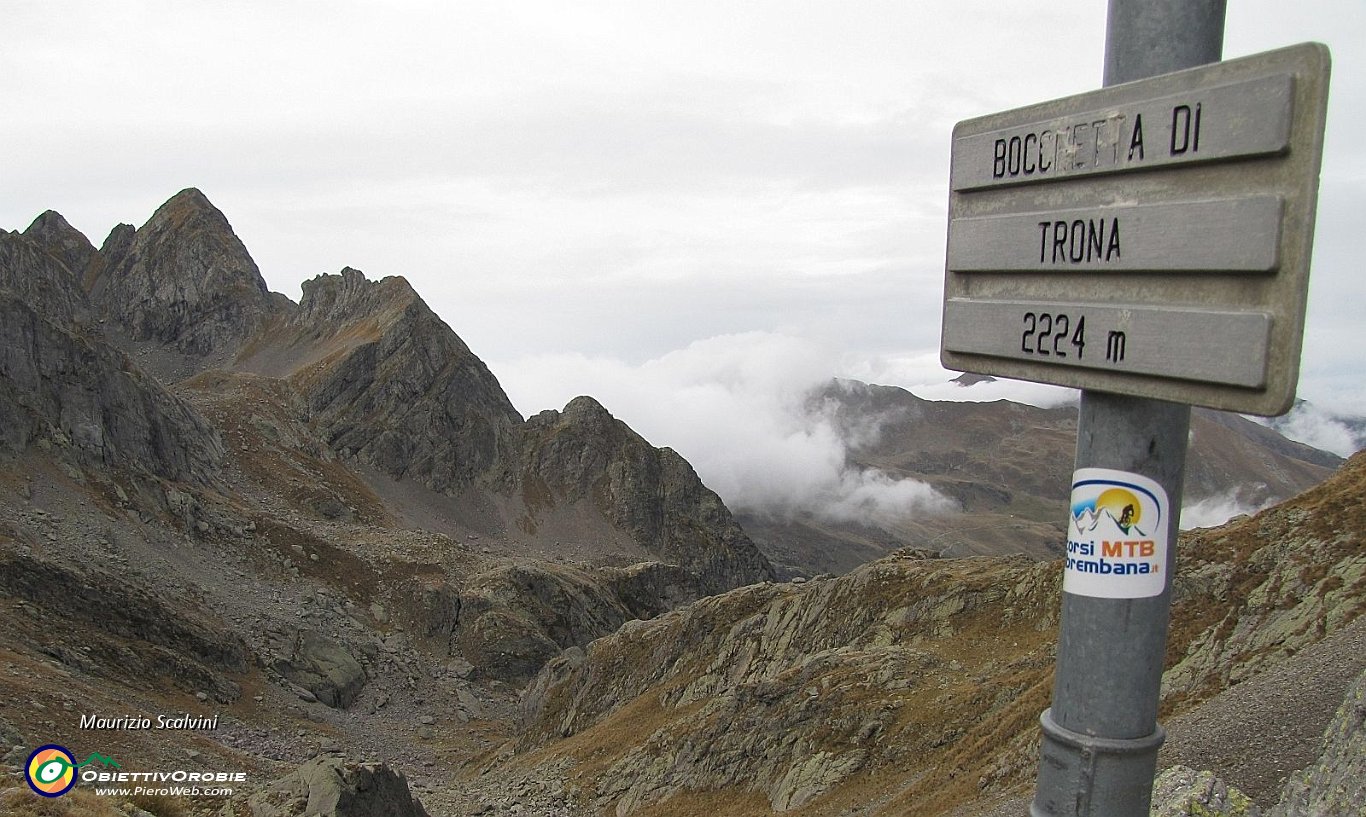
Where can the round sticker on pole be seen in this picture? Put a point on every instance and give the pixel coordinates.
(1116, 535)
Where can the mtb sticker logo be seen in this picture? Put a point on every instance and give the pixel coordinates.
(1116, 535)
(51, 770)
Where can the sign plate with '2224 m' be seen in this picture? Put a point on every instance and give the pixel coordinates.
(1151, 238)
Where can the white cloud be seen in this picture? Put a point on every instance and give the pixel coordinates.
(1218, 509)
(1311, 425)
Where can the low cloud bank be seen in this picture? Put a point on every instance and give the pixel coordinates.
(739, 408)
(1218, 509)
(1311, 425)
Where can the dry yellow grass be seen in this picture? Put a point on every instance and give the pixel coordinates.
(17, 800)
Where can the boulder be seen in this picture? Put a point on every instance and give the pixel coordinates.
(325, 668)
(330, 786)
(1181, 791)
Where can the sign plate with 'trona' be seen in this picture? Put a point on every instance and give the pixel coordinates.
(1175, 213)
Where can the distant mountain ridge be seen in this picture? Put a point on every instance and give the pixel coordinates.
(1008, 466)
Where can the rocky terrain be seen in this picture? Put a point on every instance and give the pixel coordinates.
(324, 524)
(912, 685)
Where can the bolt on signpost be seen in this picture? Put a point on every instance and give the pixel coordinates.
(1149, 244)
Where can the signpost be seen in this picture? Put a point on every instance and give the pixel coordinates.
(1150, 238)
(1149, 244)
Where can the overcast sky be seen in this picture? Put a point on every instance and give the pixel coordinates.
(609, 198)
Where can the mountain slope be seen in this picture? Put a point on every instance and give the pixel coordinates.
(66, 389)
(1008, 466)
(583, 456)
(387, 382)
(913, 685)
(33, 270)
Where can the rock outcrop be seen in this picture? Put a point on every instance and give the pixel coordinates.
(1334, 785)
(30, 272)
(1181, 791)
(1262, 588)
(788, 692)
(517, 617)
(66, 387)
(330, 786)
(83, 397)
(63, 242)
(1337, 783)
(390, 384)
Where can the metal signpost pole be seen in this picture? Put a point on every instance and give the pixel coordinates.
(1100, 737)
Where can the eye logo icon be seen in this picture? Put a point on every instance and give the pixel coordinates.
(51, 770)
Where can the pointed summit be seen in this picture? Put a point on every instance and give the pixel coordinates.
(186, 282)
(583, 456)
(68, 245)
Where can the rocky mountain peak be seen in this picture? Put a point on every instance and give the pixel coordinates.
(32, 272)
(584, 455)
(586, 411)
(389, 382)
(118, 242)
(186, 282)
(67, 244)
